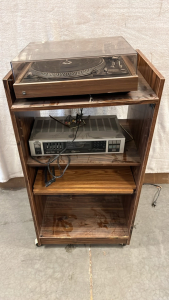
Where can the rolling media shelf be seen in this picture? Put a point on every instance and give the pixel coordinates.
(96, 200)
(114, 180)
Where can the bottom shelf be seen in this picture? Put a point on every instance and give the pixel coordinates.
(84, 219)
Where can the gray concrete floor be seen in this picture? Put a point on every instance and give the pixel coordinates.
(139, 271)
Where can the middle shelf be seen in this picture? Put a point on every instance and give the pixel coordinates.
(130, 157)
(94, 180)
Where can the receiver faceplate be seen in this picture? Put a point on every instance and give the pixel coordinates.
(100, 134)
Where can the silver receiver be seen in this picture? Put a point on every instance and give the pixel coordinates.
(100, 135)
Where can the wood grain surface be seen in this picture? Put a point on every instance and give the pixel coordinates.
(144, 94)
(29, 173)
(18, 183)
(153, 77)
(130, 157)
(84, 218)
(115, 180)
(144, 118)
(76, 87)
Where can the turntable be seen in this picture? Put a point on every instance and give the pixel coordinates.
(76, 67)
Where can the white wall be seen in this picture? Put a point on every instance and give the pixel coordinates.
(143, 23)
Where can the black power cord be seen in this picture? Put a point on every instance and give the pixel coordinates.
(157, 194)
(47, 183)
(78, 121)
(57, 157)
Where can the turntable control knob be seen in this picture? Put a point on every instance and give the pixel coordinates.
(23, 93)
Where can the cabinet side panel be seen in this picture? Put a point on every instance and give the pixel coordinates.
(40, 202)
(151, 74)
(8, 81)
(29, 174)
(24, 126)
(127, 202)
(142, 121)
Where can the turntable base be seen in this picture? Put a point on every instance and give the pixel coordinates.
(85, 76)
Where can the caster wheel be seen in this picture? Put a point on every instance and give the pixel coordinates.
(122, 245)
(36, 243)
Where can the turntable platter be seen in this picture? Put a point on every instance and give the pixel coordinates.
(69, 68)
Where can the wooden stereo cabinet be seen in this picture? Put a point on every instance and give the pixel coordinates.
(96, 200)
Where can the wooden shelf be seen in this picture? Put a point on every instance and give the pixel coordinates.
(130, 157)
(114, 180)
(143, 95)
(82, 219)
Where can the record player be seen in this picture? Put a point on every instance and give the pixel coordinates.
(75, 67)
